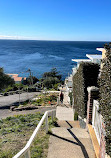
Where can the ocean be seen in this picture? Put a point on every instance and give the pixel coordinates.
(17, 56)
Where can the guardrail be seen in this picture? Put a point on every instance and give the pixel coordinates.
(26, 150)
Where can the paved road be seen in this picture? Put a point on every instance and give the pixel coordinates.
(6, 112)
(9, 100)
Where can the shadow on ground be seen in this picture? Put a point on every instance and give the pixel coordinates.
(78, 142)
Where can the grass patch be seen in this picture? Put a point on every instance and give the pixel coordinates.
(16, 131)
(40, 145)
(42, 100)
(45, 99)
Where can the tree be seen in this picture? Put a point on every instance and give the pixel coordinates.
(28, 80)
(5, 80)
(52, 73)
(51, 78)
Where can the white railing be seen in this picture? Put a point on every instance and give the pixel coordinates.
(97, 120)
(26, 150)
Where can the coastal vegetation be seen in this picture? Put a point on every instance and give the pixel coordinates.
(75, 116)
(51, 79)
(71, 97)
(28, 80)
(15, 87)
(16, 131)
(105, 96)
(42, 100)
(5, 80)
(45, 99)
(86, 76)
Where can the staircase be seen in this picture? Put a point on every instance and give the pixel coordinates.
(68, 140)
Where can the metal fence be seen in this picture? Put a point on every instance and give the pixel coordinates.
(26, 150)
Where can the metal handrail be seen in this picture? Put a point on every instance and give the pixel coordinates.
(26, 150)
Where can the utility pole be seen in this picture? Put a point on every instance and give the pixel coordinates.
(19, 95)
(31, 77)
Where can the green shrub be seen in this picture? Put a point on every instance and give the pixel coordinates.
(56, 86)
(5, 80)
(75, 116)
(105, 96)
(9, 88)
(70, 95)
(53, 98)
(85, 76)
(51, 79)
(6, 154)
(39, 101)
(46, 99)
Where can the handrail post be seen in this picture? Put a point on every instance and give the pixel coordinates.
(46, 123)
(58, 101)
(27, 155)
(52, 115)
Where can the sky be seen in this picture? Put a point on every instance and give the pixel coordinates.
(70, 20)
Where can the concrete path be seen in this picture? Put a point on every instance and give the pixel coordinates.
(66, 96)
(64, 113)
(69, 140)
(65, 101)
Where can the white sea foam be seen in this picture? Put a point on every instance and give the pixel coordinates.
(56, 57)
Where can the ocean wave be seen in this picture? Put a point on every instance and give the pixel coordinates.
(56, 57)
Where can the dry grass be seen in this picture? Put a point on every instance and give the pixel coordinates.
(16, 131)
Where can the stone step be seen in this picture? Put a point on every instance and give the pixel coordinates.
(70, 143)
(68, 124)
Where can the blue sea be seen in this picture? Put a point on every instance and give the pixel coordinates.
(17, 56)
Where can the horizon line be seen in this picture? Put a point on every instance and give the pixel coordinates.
(54, 40)
(8, 37)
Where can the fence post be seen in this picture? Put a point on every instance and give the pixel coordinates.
(27, 155)
(57, 101)
(52, 115)
(46, 123)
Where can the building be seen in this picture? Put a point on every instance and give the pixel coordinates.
(95, 58)
(94, 121)
(17, 79)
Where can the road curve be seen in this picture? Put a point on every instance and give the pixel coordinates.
(11, 99)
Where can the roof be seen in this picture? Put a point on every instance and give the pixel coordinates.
(100, 49)
(17, 79)
(15, 75)
(81, 60)
(94, 56)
